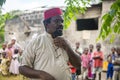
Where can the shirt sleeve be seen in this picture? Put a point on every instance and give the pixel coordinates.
(28, 55)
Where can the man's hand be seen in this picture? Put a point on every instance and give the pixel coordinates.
(61, 42)
(73, 57)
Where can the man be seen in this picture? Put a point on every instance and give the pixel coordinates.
(46, 57)
(98, 61)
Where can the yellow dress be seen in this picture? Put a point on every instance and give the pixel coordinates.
(5, 66)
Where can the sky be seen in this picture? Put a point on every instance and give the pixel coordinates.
(29, 4)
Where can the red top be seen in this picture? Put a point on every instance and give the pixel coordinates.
(73, 69)
(98, 62)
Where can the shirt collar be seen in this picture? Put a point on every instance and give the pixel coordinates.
(49, 35)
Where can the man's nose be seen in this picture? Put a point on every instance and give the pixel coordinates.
(61, 26)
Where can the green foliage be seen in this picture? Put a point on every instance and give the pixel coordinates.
(2, 2)
(73, 8)
(3, 19)
(12, 77)
(111, 23)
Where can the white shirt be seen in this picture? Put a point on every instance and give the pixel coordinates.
(42, 54)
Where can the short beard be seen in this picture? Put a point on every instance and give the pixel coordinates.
(57, 33)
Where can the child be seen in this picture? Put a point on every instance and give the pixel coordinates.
(116, 75)
(98, 61)
(85, 62)
(73, 71)
(4, 64)
(0, 60)
(110, 69)
(90, 75)
(111, 58)
(14, 66)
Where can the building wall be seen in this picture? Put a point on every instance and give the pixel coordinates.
(89, 37)
(85, 37)
(24, 28)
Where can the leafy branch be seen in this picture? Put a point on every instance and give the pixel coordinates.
(73, 8)
(111, 23)
(2, 2)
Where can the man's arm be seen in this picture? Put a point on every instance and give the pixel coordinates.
(73, 57)
(37, 74)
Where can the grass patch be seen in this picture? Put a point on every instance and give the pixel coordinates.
(12, 77)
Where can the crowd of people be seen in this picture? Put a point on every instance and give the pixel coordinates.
(49, 56)
(10, 58)
(92, 63)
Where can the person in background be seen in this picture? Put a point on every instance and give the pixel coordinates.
(112, 54)
(5, 63)
(110, 68)
(46, 57)
(14, 44)
(20, 55)
(98, 61)
(85, 62)
(78, 49)
(111, 59)
(3, 49)
(90, 75)
(14, 66)
(116, 74)
(73, 71)
(9, 51)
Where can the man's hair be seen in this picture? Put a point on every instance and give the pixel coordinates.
(46, 22)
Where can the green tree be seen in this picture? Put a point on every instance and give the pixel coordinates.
(2, 2)
(3, 19)
(73, 8)
(1, 22)
(111, 23)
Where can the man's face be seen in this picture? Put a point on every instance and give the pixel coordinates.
(56, 26)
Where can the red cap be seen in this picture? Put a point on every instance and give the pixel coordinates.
(52, 12)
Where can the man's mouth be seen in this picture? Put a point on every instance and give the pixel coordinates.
(60, 30)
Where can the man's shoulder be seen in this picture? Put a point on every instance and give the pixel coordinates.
(38, 37)
(38, 40)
